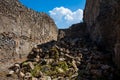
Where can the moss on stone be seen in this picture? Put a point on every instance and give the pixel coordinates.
(63, 65)
(36, 71)
(56, 53)
(45, 68)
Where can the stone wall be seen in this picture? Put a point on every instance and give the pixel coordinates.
(73, 31)
(20, 30)
(103, 23)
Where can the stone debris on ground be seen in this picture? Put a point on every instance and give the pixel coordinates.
(65, 59)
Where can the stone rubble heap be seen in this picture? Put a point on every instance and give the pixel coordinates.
(66, 59)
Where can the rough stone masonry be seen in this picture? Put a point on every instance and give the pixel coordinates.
(103, 23)
(20, 30)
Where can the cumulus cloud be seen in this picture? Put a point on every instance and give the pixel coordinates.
(64, 17)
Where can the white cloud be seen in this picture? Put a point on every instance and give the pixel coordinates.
(64, 17)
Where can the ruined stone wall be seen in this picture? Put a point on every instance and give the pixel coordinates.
(73, 31)
(103, 23)
(21, 29)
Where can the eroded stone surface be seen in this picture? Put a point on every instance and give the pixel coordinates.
(103, 23)
(20, 30)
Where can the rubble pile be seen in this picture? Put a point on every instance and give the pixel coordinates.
(66, 59)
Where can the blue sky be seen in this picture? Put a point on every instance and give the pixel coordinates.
(64, 12)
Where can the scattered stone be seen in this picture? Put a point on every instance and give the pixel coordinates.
(28, 76)
(60, 70)
(105, 67)
(22, 74)
(17, 70)
(33, 78)
(64, 62)
(49, 61)
(11, 72)
(61, 59)
(85, 49)
(96, 72)
(46, 78)
(67, 55)
(17, 65)
(74, 75)
(67, 51)
(74, 65)
(31, 65)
